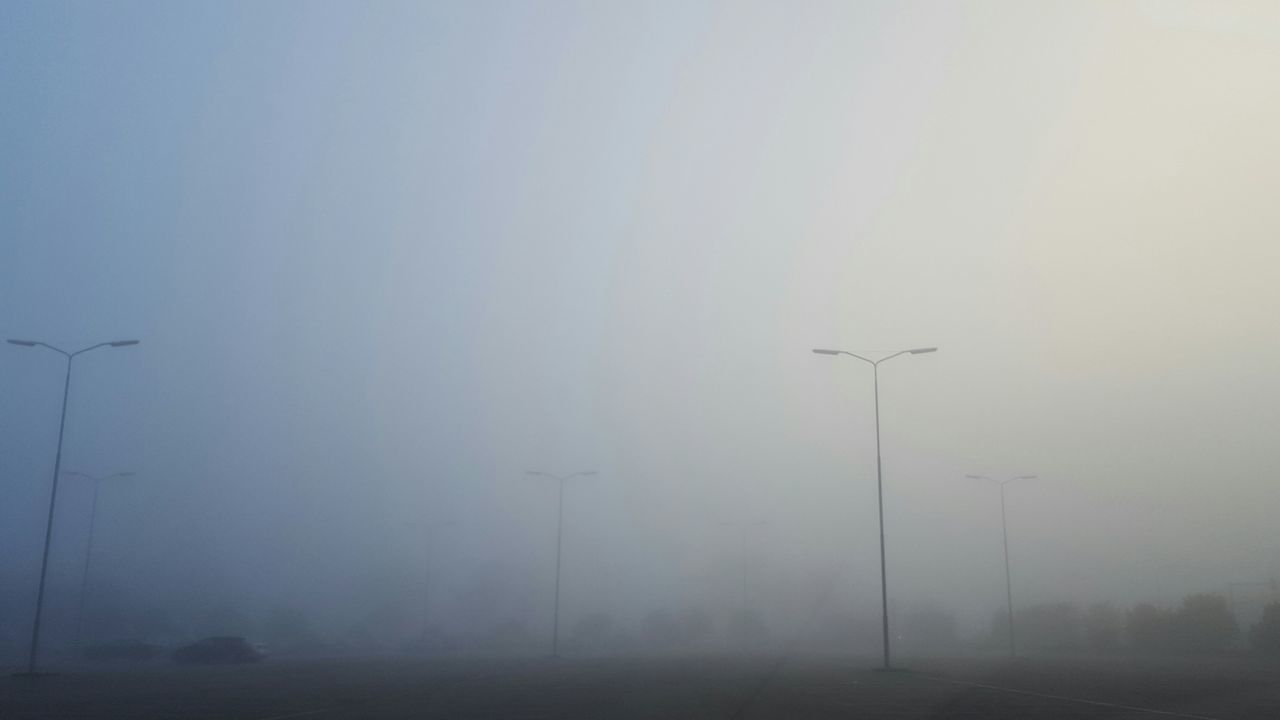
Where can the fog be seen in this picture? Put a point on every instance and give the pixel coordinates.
(385, 260)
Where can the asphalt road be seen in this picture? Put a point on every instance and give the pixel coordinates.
(712, 688)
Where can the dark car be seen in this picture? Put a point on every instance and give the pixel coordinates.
(218, 650)
(124, 649)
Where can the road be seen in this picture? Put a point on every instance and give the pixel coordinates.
(692, 688)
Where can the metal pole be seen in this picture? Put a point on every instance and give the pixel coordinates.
(426, 589)
(88, 555)
(432, 532)
(48, 528)
(884, 577)
(884, 580)
(555, 629)
(1008, 582)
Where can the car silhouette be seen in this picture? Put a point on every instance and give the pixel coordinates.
(226, 649)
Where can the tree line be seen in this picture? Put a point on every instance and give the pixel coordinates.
(1203, 623)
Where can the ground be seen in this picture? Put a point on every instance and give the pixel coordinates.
(795, 688)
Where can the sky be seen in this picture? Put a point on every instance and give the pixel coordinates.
(385, 258)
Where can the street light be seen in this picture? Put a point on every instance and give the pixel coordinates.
(884, 581)
(745, 527)
(426, 575)
(1004, 526)
(555, 628)
(88, 553)
(53, 493)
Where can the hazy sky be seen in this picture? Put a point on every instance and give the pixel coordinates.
(385, 257)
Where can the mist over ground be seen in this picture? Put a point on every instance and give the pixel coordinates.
(385, 260)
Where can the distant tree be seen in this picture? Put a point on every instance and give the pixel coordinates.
(1102, 627)
(1147, 628)
(1054, 627)
(1264, 637)
(1204, 624)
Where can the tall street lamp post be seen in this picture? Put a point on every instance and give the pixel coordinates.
(875, 374)
(746, 527)
(426, 575)
(57, 469)
(1004, 527)
(88, 552)
(555, 627)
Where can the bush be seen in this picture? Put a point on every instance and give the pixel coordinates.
(1264, 637)
(1204, 624)
(1147, 628)
(1049, 627)
(1102, 627)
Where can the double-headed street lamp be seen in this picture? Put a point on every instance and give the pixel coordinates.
(88, 552)
(57, 469)
(555, 628)
(1004, 526)
(884, 582)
